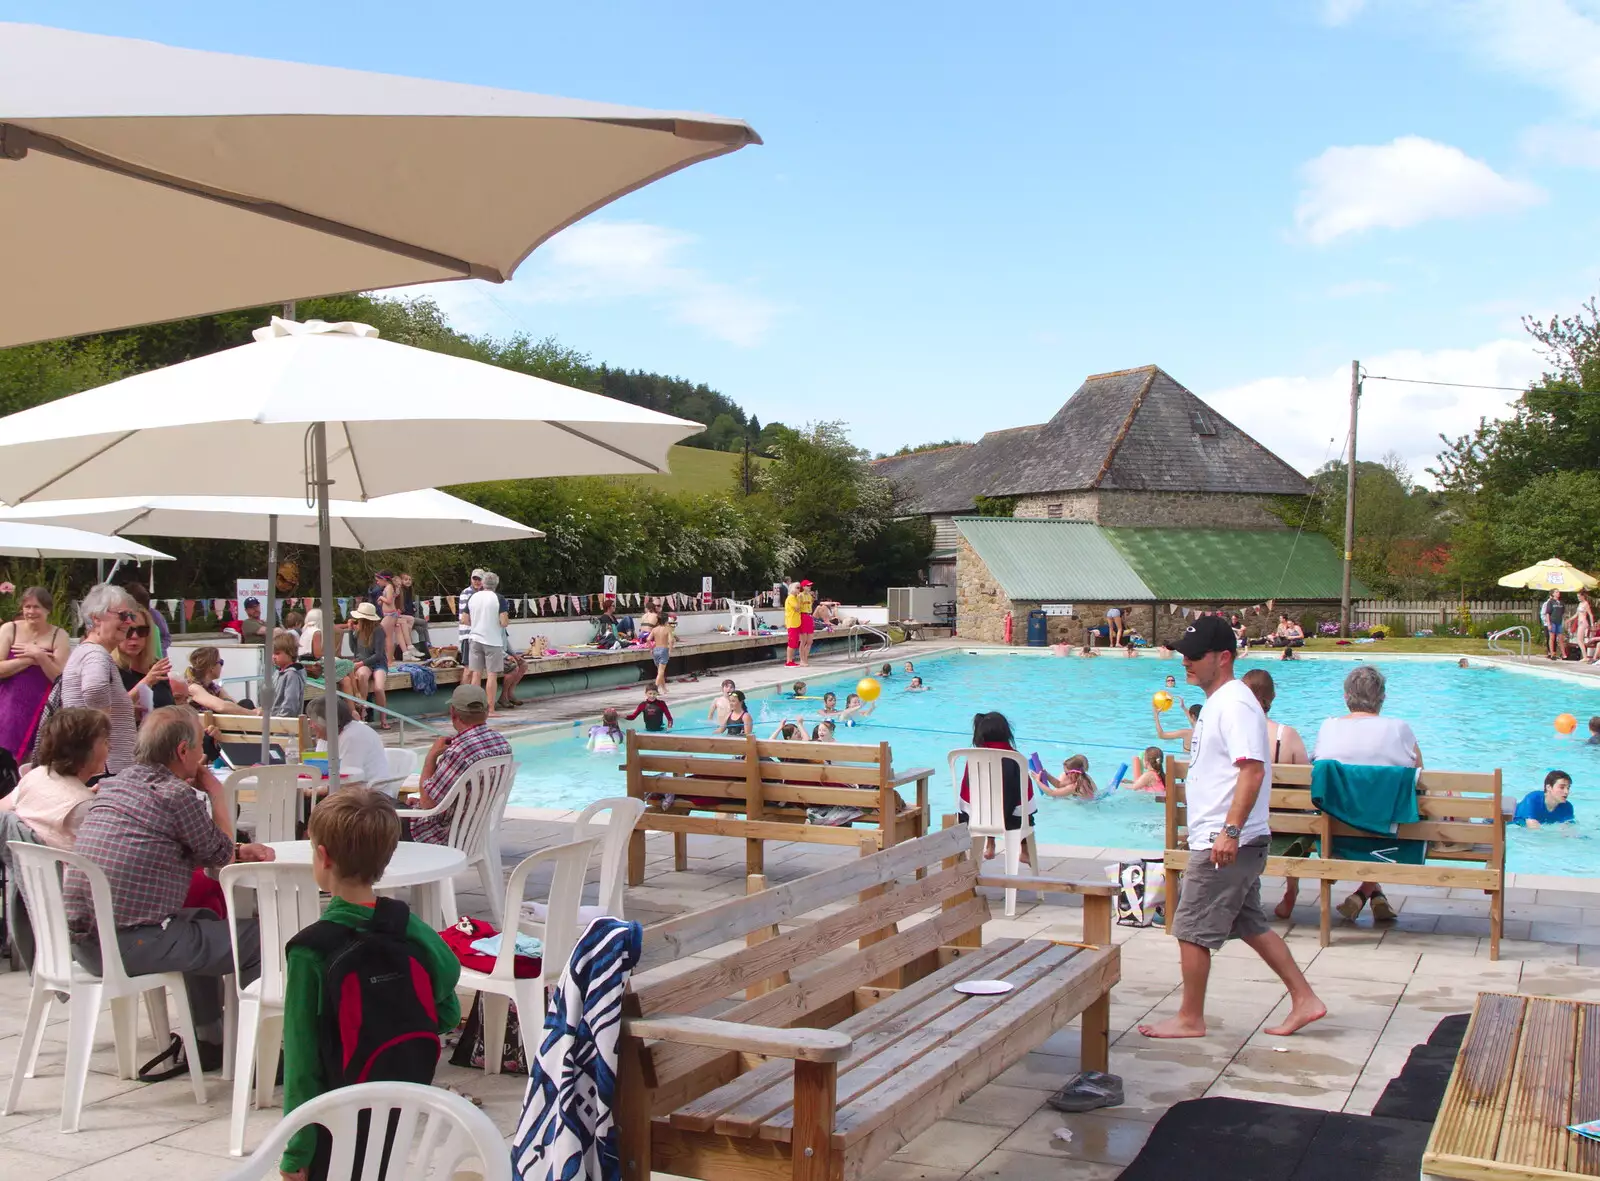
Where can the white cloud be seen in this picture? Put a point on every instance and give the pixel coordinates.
(1575, 147)
(612, 262)
(1355, 288)
(1400, 184)
(1304, 419)
(1339, 12)
(1550, 43)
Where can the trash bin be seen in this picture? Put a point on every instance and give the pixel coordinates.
(1038, 629)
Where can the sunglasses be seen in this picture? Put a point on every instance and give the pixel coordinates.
(126, 616)
(137, 632)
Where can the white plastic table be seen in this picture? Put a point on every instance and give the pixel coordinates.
(421, 868)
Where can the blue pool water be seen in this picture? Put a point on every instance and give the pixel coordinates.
(1472, 719)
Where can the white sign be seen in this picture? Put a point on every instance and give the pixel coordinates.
(705, 585)
(1056, 608)
(610, 587)
(251, 588)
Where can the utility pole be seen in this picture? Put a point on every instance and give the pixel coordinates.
(1350, 500)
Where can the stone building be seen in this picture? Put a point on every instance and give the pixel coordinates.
(1075, 570)
(1130, 449)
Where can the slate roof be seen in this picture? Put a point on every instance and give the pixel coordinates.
(1233, 565)
(1135, 429)
(1044, 559)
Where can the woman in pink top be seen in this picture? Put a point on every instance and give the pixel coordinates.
(51, 799)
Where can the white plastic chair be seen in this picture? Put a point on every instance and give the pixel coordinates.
(986, 809)
(476, 803)
(277, 806)
(438, 1134)
(403, 762)
(54, 971)
(286, 901)
(500, 985)
(624, 815)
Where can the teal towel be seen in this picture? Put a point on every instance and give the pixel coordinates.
(1374, 799)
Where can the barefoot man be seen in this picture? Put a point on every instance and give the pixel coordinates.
(1228, 791)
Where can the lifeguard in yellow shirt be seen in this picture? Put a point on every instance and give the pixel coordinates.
(792, 614)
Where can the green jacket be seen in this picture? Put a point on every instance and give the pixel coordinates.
(303, 1077)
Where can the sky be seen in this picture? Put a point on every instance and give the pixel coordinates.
(959, 212)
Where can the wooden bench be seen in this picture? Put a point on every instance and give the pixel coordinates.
(760, 791)
(247, 728)
(1528, 1068)
(823, 1077)
(1449, 802)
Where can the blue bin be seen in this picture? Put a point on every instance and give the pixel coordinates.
(1038, 629)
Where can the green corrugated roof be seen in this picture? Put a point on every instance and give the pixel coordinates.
(1213, 565)
(1035, 558)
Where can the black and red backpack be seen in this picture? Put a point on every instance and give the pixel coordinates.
(379, 1020)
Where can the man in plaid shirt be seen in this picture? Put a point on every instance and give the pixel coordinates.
(448, 757)
(147, 829)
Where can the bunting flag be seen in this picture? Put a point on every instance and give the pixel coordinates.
(188, 610)
(172, 608)
(216, 607)
(344, 608)
(452, 599)
(1186, 613)
(427, 608)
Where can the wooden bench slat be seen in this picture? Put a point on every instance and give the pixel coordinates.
(717, 772)
(1535, 1131)
(770, 830)
(795, 1001)
(1583, 1155)
(737, 917)
(692, 989)
(896, 1013)
(1468, 1123)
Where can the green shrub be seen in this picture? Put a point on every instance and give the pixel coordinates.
(1483, 628)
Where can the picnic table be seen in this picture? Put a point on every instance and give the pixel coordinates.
(1528, 1067)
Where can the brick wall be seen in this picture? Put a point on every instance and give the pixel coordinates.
(1201, 510)
(1075, 506)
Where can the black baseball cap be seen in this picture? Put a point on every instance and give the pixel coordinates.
(1209, 633)
(252, 602)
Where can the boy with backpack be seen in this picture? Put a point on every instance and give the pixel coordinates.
(355, 1007)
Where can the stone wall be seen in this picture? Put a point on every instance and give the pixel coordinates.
(1075, 506)
(1198, 510)
(981, 605)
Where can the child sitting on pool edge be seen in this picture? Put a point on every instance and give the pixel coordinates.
(1074, 783)
(1547, 805)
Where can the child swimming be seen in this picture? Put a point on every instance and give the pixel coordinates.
(655, 710)
(1074, 783)
(739, 720)
(720, 705)
(885, 671)
(822, 731)
(916, 686)
(855, 709)
(830, 705)
(908, 669)
(1150, 773)
(607, 736)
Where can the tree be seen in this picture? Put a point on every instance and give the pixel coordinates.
(912, 449)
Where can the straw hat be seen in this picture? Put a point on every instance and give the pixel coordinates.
(365, 610)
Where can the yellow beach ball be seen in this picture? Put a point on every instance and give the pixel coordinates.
(868, 688)
(1162, 700)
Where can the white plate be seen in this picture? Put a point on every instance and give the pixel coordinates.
(984, 987)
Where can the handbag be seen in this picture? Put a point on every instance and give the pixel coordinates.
(1142, 891)
(469, 1047)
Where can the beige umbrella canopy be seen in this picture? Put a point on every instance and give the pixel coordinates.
(1551, 574)
(155, 183)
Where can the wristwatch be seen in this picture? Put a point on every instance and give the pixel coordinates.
(1231, 830)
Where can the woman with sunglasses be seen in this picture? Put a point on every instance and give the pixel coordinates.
(204, 679)
(146, 674)
(91, 679)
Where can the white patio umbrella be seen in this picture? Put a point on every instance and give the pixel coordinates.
(310, 407)
(422, 518)
(25, 539)
(157, 183)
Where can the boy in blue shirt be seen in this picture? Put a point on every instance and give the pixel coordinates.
(1549, 805)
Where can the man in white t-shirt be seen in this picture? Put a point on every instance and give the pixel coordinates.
(463, 627)
(1228, 790)
(486, 619)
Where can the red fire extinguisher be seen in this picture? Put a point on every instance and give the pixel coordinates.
(1008, 627)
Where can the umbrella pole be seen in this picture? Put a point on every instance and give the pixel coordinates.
(271, 618)
(330, 647)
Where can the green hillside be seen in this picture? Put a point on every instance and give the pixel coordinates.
(695, 471)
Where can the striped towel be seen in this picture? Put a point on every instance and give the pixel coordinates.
(567, 1132)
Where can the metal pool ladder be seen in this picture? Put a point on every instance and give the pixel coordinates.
(1520, 633)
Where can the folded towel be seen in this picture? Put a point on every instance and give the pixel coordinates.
(1376, 799)
(527, 945)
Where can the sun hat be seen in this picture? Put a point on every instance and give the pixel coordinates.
(365, 611)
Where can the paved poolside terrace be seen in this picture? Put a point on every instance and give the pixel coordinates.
(1385, 989)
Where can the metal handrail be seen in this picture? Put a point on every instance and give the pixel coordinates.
(857, 648)
(403, 719)
(1524, 637)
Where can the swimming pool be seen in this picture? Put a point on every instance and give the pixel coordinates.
(1471, 719)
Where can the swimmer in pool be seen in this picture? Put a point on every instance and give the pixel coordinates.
(607, 736)
(916, 686)
(908, 669)
(830, 705)
(1150, 773)
(1074, 783)
(855, 709)
(720, 705)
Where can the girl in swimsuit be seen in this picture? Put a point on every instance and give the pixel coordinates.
(855, 709)
(739, 718)
(1150, 774)
(607, 736)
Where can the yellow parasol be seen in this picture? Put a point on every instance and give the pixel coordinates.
(1551, 574)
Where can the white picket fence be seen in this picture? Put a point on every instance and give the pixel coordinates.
(1435, 613)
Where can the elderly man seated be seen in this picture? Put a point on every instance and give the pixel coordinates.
(147, 828)
(450, 756)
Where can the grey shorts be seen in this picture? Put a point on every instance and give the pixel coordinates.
(1216, 905)
(486, 658)
(661, 655)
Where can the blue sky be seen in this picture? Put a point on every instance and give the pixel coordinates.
(961, 211)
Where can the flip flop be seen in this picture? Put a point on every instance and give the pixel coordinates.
(1088, 1090)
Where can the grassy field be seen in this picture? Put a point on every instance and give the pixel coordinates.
(1439, 645)
(695, 471)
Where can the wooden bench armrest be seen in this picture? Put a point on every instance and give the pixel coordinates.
(1089, 886)
(804, 1045)
(905, 777)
